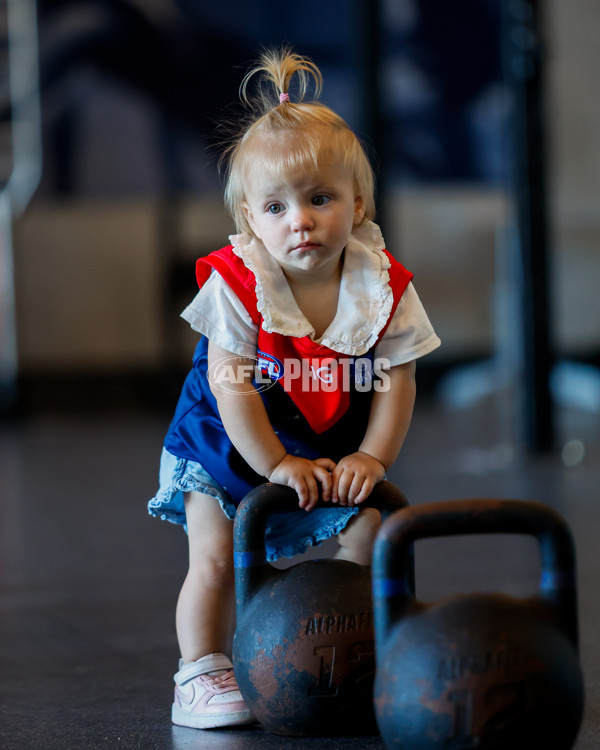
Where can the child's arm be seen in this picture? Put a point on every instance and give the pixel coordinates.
(247, 424)
(391, 411)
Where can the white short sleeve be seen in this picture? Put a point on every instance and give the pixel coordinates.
(217, 313)
(410, 334)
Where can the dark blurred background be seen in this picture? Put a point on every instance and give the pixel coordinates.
(131, 95)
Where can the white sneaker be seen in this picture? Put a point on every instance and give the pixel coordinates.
(207, 695)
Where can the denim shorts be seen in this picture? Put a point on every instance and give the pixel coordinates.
(286, 534)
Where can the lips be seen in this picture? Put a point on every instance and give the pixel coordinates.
(306, 246)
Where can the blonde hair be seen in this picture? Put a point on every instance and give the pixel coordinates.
(308, 131)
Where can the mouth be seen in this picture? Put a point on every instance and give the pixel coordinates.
(307, 246)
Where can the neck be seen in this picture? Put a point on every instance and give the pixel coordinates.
(317, 296)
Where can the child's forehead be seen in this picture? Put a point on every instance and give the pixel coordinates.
(267, 176)
(262, 182)
(268, 169)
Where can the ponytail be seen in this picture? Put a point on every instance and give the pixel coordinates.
(278, 69)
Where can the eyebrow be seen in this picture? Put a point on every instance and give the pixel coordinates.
(312, 187)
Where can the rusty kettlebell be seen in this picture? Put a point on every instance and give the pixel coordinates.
(479, 670)
(303, 651)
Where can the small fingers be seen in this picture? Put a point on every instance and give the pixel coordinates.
(354, 489)
(342, 484)
(299, 486)
(362, 493)
(310, 479)
(324, 477)
(311, 497)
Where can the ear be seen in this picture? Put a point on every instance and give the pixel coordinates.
(250, 219)
(359, 210)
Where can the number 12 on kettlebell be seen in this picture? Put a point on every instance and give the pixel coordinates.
(327, 684)
(480, 670)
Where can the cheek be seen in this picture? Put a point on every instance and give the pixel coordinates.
(254, 226)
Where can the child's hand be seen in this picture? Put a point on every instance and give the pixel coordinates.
(354, 478)
(303, 475)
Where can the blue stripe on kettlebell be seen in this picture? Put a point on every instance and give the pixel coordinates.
(248, 559)
(390, 587)
(557, 579)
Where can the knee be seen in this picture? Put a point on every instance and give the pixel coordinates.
(370, 520)
(210, 539)
(363, 527)
(211, 558)
(214, 567)
(358, 538)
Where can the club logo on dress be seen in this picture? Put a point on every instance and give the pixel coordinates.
(270, 365)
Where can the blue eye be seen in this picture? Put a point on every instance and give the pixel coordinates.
(275, 208)
(320, 200)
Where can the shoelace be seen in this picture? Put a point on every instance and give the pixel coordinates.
(221, 683)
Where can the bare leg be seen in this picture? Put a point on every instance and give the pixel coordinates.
(357, 539)
(205, 607)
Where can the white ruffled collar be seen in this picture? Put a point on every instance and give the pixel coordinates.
(365, 299)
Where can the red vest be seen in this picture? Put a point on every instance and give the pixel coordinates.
(317, 383)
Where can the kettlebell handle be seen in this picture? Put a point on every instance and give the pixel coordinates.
(392, 554)
(250, 563)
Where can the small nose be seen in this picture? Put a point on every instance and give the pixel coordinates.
(301, 219)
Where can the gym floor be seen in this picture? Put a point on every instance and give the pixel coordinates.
(88, 582)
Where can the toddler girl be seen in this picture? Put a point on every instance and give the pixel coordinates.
(304, 374)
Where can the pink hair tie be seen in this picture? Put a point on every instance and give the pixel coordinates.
(284, 98)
